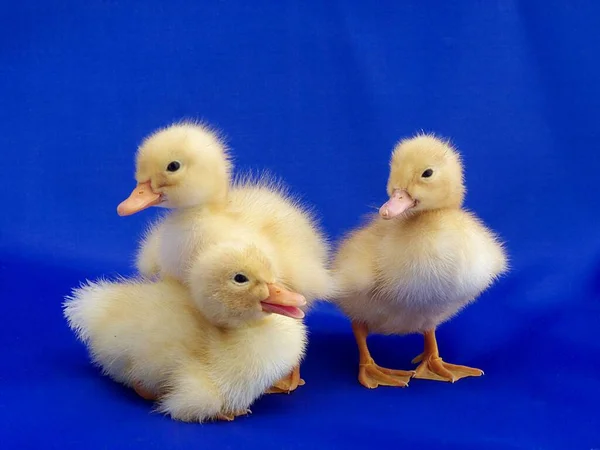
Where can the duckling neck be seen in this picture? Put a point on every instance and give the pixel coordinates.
(412, 216)
(441, 209)
(230, 326)
(450, 204)
(218, 200)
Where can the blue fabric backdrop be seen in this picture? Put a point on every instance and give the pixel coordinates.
(318, 92)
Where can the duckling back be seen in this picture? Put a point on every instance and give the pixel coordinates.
(291, 230)
(137, 330)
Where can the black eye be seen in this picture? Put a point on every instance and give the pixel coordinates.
(173, 166)
(427, 173)
(240, 278)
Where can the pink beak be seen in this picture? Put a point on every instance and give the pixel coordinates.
(283, 301)
(399, 202)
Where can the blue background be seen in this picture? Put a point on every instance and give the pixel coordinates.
(318, 92)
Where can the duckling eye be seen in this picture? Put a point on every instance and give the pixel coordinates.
(240, 278)
(173, 166)
(427, 173)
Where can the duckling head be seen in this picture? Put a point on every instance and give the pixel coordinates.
(233, 284)
(425, 174)
(181, 166)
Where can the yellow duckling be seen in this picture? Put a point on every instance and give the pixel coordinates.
(186, 167)
(165, 343)
(419, 263)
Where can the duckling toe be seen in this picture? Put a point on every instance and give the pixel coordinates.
(417, 359)
(230, 416)
(287, 384)
(433, 368)
(371, 376)
(143, 392)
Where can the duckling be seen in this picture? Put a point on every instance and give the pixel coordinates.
(418, 263)
(202, 353)
(187, 168)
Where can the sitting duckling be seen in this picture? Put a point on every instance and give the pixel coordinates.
(202, 356)
(186, 167)
(419, 263)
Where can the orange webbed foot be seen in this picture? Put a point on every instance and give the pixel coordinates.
(287, 384)
(370, 375)
(230, 416)
(433, 368)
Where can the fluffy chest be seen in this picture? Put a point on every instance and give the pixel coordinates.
(258, 358)
(178, 245)
(447, 269)
(183, 237)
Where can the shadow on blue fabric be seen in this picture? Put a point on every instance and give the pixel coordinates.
(317, 92)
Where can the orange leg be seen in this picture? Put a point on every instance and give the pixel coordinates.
(433, 368)
(288, 383)
(143, 392)
(370, 375)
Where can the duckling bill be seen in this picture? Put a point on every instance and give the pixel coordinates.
(141, 198)
(417, 263)
(283, 301)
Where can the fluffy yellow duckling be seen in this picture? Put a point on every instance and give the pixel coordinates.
(417, 264)
(186, 167)
(202, 356)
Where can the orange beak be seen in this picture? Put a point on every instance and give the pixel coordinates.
(283, 301)
(141, 197)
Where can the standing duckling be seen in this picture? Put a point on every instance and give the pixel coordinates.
(202, 356)
(417, 264)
